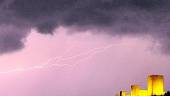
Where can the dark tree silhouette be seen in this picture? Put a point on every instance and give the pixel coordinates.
(167, 93)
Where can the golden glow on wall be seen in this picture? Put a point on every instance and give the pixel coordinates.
(122, 93)
(143, 93)
(155, 87)
(135, 90)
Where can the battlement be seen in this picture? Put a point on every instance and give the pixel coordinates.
(155, 86)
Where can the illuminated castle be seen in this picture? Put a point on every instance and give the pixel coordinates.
(155, 87)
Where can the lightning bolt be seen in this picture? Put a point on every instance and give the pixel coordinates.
(55, 61)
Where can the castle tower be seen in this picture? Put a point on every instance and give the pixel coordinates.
(122, 93)
(155, 85)
(135, 90)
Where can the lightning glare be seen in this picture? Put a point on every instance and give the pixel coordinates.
(57, 61)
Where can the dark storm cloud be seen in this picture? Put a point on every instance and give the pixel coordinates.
(114, 17)
(11, 38)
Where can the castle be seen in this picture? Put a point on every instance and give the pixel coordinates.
(155, 87)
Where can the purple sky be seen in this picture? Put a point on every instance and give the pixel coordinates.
(82, 47)
(116, 64)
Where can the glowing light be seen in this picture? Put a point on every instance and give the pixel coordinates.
(122, 93)
(155, 85)
(135, 90)
(143, 93)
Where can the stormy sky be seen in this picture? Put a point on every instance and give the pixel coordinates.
(81, 32)
(113, 17)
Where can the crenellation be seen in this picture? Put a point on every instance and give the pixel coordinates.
(155, 87)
